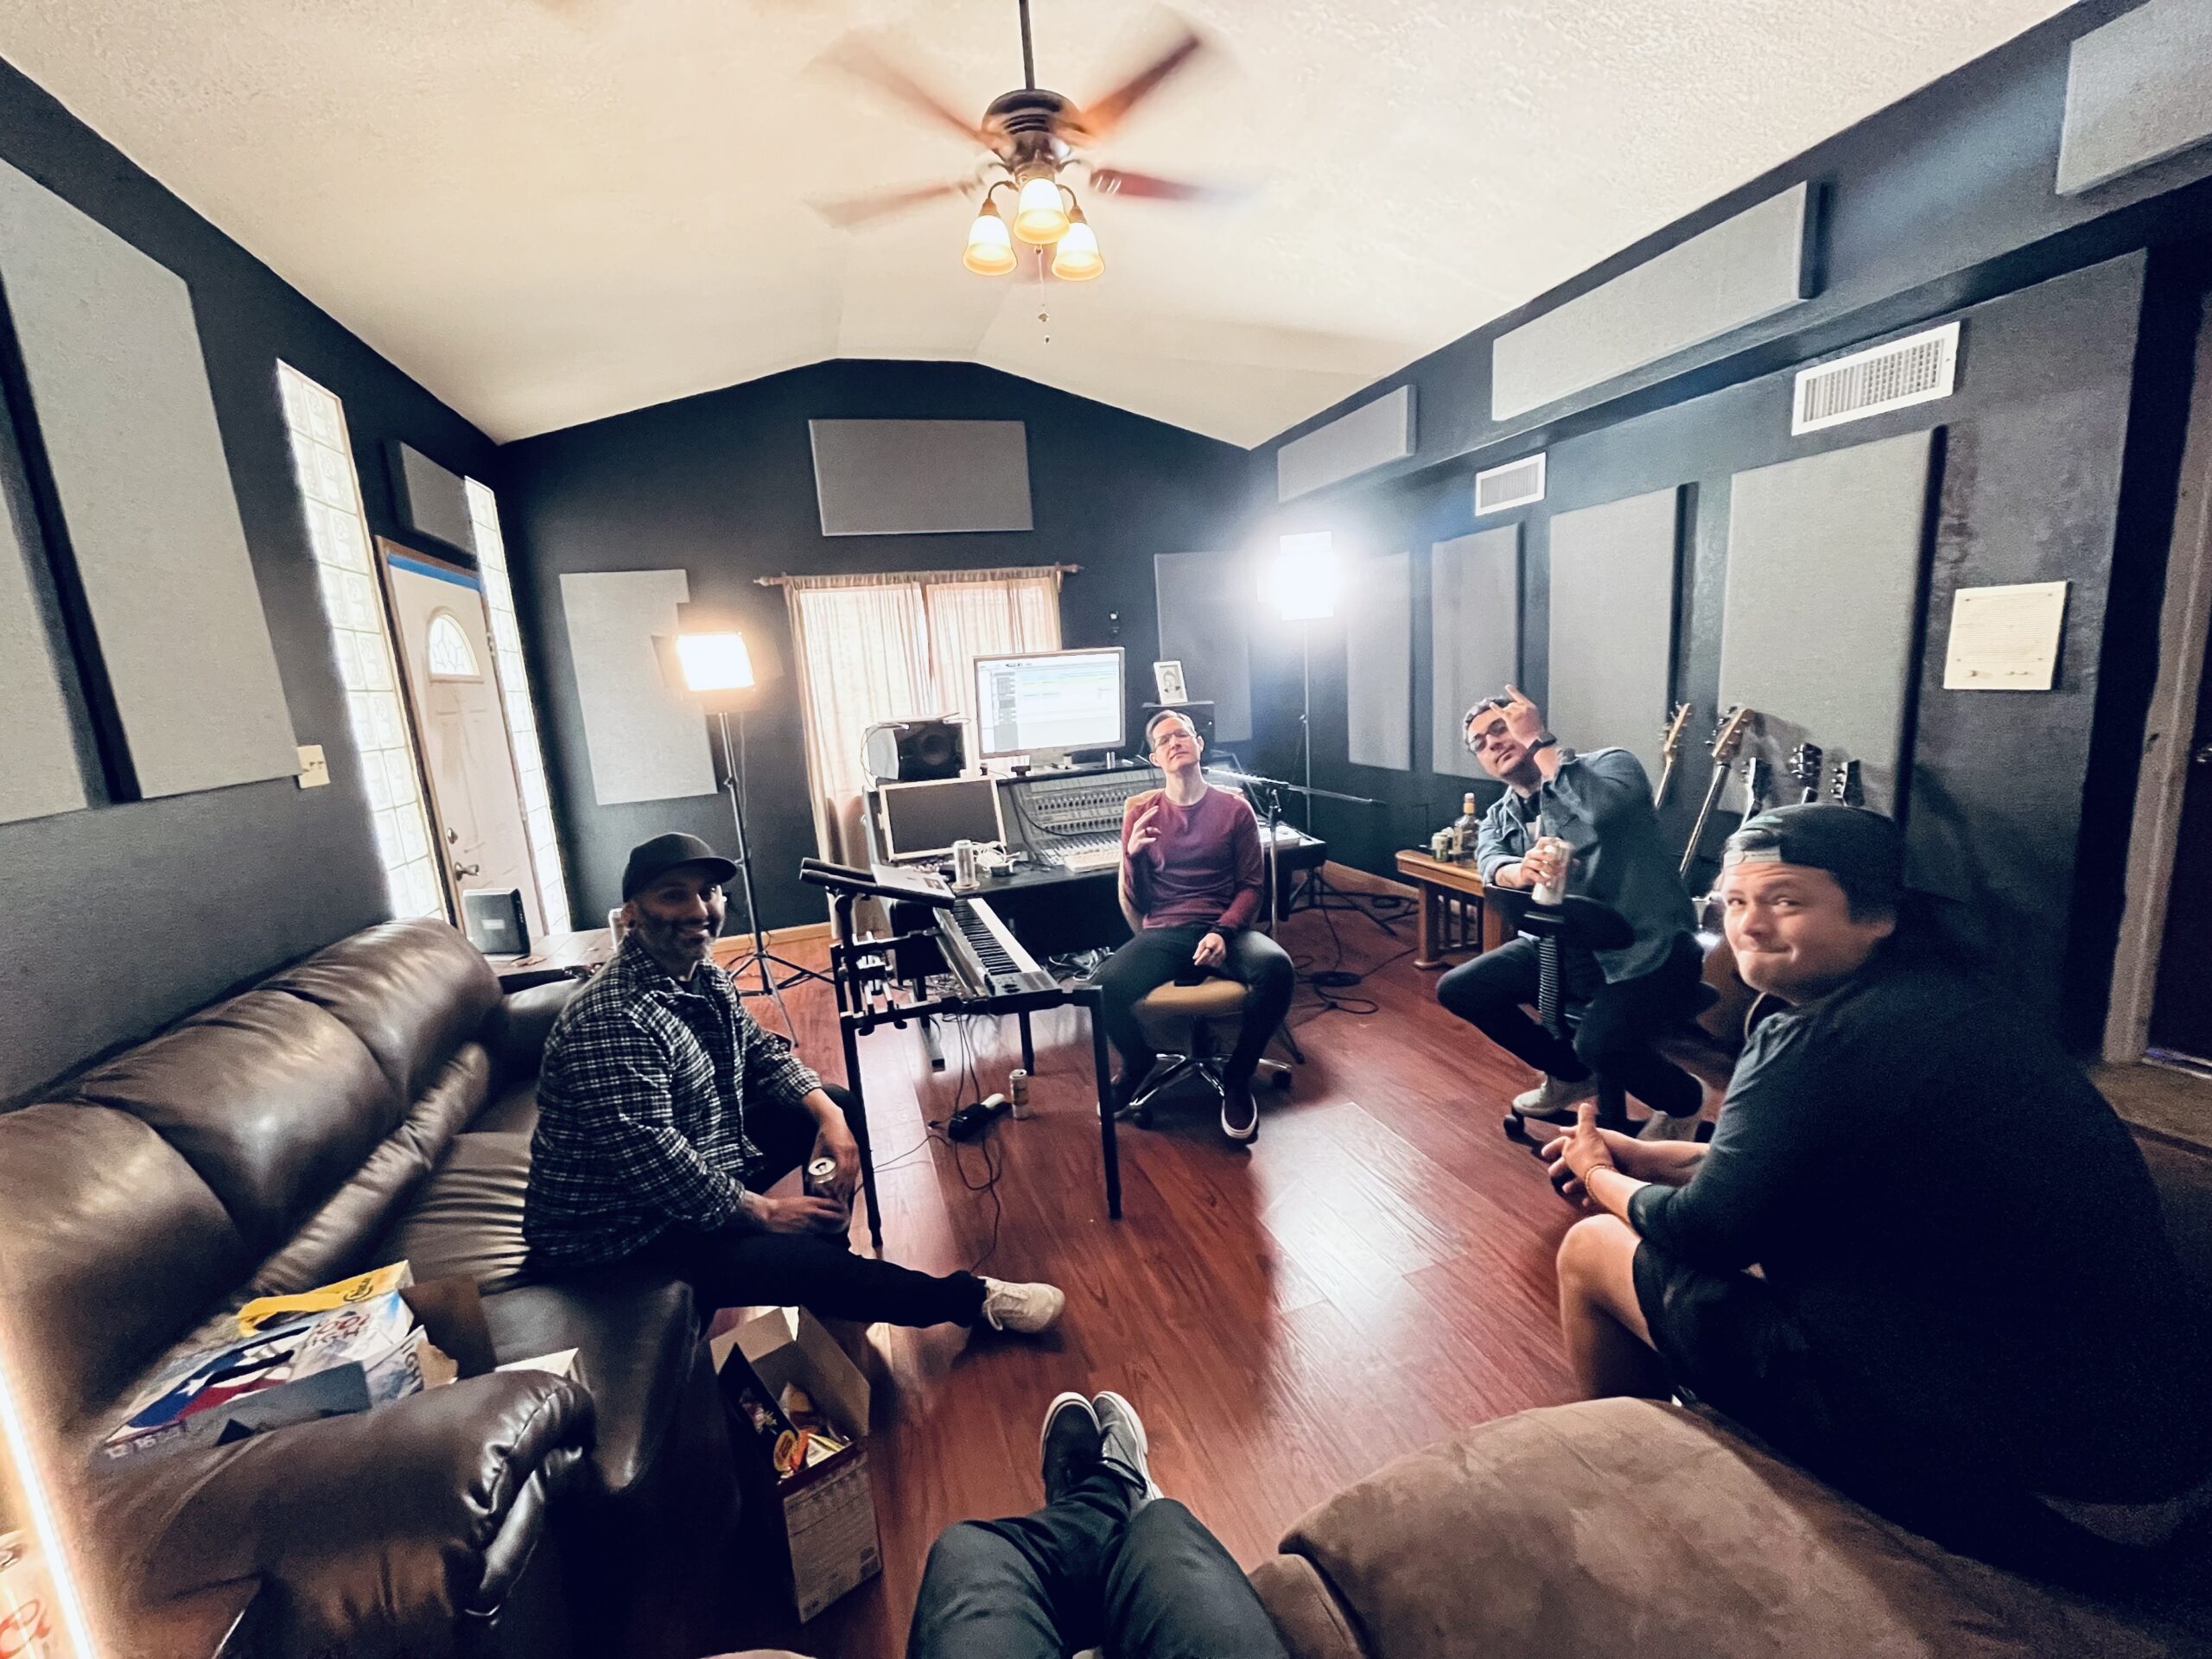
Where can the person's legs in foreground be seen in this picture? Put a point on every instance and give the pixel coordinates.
(1622, 1024)
(1264, 966)
(1489, 993)
(1150, 959)
(1103, 1563)
(1608, 1346)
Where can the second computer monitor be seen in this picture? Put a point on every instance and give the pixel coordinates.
(1049, 702)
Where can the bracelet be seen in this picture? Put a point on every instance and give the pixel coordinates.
(1594, 1168)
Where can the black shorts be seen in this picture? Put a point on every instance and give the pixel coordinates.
(1727, 1340)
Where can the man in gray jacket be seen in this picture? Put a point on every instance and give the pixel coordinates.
(1588, 817)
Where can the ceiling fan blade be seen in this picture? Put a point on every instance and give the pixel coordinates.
(862, 62)
(848, 211)
(1099, 119)
(1119, 181)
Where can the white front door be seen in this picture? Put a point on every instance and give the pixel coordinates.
(446, 653)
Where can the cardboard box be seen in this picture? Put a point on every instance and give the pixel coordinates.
(828, 1508)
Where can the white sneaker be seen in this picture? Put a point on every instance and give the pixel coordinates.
(1125, 1445)
(1555, 1097)
(1024, 1308)
(1664, 1126)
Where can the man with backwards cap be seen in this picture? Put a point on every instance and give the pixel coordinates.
(665, 1114)
(1967, 1313)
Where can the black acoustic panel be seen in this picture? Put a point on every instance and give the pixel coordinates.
(920, 478)
(155, 548)
(1367, 437)
(1613, 623)
(1743, 268)
(1378, 663)
(433, 499)
(1824, 583)
(1474, 617)
(1205, 602)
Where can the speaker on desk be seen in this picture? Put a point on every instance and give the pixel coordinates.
(915, 751)
(495, 922)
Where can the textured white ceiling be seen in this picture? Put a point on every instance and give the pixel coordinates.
(550, 211)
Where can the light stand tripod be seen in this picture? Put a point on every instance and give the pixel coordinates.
(759, 957)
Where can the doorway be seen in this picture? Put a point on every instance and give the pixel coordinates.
(445, 652)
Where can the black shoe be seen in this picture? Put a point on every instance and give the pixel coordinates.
(1068, 1445)
(1240, 1113)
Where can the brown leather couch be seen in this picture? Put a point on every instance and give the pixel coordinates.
(372, 1101)
(1626, 1526)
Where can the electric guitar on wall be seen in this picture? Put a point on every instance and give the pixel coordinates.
(1670, 750)
(1727, 739)
(1755, 773)
(1844, 788)
(1805, 771)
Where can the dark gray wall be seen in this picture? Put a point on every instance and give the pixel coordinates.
(121, 918)
(722, 486)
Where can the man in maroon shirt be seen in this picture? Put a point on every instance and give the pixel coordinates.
(1192, 882)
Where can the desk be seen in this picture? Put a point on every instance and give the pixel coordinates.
(1452, 915)
(555, 956)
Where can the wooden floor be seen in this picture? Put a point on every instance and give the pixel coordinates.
(1375, 1272)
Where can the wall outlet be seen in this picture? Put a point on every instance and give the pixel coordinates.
(314, 770)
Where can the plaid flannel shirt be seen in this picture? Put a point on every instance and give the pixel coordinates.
(642, 1099)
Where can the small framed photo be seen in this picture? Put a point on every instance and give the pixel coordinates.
(1168, 677)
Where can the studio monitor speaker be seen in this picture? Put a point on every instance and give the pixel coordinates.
(915, 751)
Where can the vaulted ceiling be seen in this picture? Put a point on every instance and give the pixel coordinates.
(550, 211)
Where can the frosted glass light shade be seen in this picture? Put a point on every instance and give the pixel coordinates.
(990, 249)
(714, 662)
(1076, 257)
(1039, 218)
(1303, 580)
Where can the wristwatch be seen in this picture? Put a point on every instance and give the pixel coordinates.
(1547, 742)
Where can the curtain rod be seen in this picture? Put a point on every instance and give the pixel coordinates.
(994, 573)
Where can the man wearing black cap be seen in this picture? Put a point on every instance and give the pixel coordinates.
(665, 1114)
(1966, 1311)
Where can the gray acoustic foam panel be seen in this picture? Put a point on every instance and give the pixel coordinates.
(1824, 579)
(111, 353)
(1369, 435)
(433, 499)
(40, 773)
(1474, 620)
(1378, 664)
(647, 742)
(1205, 602)
(920, 478)
(1741, 269)
(2136, 92)
(1612, 624)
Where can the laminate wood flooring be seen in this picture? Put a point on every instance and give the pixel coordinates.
(1373, 1273)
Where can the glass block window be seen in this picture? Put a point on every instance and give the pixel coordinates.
(522, 719)
(338, 530)
(451, 656)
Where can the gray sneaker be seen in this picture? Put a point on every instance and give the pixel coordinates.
(1123, 1446)
(1554, 1099)
(1068, 1447)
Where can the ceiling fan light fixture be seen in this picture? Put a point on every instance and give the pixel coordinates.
(1039, 217)
(990, 249)
(1076, 257)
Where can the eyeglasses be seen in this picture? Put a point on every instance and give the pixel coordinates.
(1474, 739)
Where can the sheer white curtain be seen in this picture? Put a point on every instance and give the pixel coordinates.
(901, 646)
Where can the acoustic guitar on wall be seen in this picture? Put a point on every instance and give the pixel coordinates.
(1670, 750)
(1727, 739)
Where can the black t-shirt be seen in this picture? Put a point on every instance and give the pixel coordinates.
(1962, 1231)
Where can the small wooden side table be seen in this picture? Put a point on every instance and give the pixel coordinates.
(1452, 915)
(554, 956)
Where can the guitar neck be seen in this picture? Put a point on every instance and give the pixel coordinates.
(1704, 816)
(1665, 777)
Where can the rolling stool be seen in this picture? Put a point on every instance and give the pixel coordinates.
(1194, 1006)
(1587, 924)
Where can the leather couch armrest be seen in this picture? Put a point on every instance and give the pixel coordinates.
(517, 1028)
(379, 1533)
(1305, 1610)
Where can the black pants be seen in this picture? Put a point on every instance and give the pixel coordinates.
(1620, 1022)
(1156, 955)
(1086, 1573)
(743, 1267)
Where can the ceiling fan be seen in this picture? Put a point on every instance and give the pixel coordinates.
(1033, 137)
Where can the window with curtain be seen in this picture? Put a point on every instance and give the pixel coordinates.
(902, 646)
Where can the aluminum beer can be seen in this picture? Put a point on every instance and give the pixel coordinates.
(963, 864)
(1017, 1090)
(819, 1175)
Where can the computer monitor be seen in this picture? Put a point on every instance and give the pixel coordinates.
(1050, 703)
(924, 820)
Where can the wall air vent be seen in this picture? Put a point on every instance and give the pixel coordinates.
(1514, 484)
(1918, 369)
